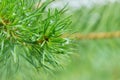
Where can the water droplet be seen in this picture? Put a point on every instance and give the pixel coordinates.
(29, 24)
(14, 14)
(27, 13)
(51, 21)
(24, 8)
(19, 22)
(67, 41)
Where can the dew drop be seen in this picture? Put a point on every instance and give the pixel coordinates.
(51, 21)
(27, 13)
(24, 8)
(14, 14)
(67, 41)
(29, 24)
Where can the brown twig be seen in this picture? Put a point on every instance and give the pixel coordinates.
(101, 35)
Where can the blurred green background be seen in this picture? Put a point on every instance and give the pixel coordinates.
(95, 59)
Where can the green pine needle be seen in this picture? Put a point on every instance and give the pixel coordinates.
(32, 33)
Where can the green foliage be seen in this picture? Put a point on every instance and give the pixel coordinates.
(30, 31)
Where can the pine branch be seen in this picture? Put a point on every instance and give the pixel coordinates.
(32, 32)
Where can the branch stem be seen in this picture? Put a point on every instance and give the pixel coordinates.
(101, 35)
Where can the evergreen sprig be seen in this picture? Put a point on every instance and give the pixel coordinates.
(31, 31)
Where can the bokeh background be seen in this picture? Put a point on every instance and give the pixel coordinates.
(93, 59)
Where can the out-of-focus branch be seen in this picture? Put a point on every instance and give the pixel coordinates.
(101, 35)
